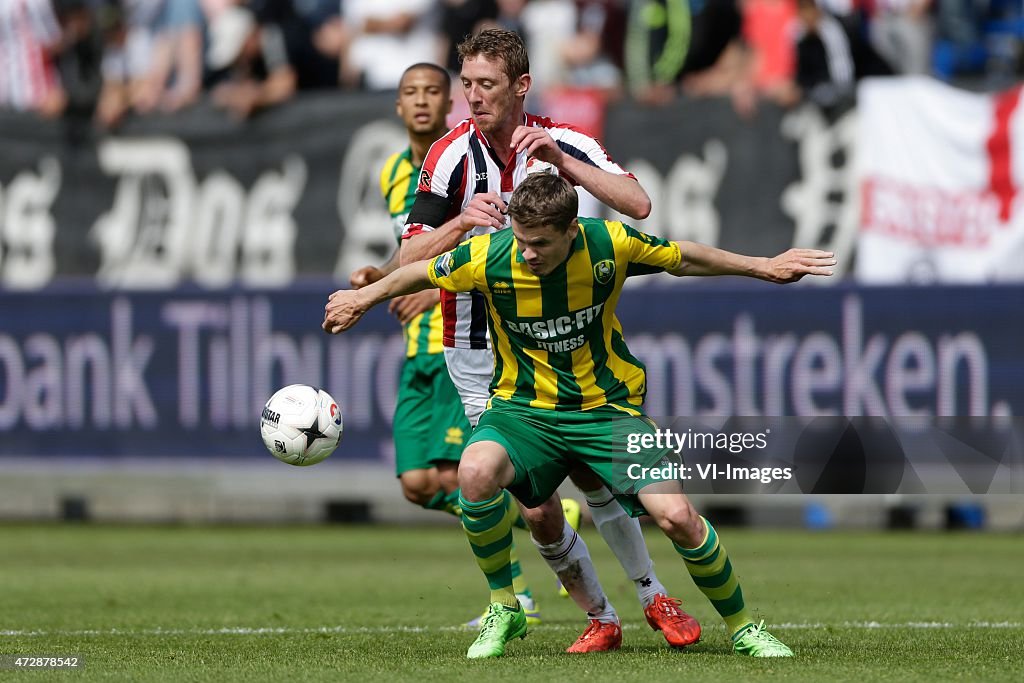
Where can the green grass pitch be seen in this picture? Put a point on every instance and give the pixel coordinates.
(374, 603)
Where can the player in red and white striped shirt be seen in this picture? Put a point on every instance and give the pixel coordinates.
(465, 182)
(463, 174)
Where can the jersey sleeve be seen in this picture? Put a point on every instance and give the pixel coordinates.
(587, 149)
(459, 270)
(645, 253)
(440, 182)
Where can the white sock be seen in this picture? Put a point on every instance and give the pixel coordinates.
(622, 534)
(569, 558)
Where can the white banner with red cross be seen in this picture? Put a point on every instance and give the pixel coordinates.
(939, 172)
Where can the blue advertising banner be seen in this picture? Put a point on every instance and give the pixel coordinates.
(185, 373)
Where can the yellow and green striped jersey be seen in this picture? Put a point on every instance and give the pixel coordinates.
(557, 343)
(398, 181)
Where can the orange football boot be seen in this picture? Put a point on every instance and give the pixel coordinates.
(678, 627)
(600, 636)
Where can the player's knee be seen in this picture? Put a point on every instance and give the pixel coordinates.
(682, 524)
(419, 488)
(478, 478)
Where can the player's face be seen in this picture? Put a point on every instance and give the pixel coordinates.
(423, 101)
(544, 247)
(490, 95)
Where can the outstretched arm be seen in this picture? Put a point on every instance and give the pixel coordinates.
(789, 266)
(405, 308)
(346, 306)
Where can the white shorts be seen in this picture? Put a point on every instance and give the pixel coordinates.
(471, 371)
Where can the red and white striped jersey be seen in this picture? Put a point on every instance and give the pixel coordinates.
(462, 164)
(28, 28)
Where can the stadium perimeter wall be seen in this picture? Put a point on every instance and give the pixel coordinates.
(158, 284)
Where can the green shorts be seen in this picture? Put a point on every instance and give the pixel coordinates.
(545, 444)
(430, 424)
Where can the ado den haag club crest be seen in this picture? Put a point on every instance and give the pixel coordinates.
(604, 271)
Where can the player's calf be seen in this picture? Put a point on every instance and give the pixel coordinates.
(546, 521)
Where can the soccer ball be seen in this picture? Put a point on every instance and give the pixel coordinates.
(301, 425)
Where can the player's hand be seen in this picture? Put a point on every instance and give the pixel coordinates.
(538, 143)
(343, 310)
(407, 307)
(366, 275)
(484, 209)
(792, 265)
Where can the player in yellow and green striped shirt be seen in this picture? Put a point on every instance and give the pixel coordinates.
(423, 331)
(566, 389)
(558, 344)
(430, 426)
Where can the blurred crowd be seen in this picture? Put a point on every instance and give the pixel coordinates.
(108, 59)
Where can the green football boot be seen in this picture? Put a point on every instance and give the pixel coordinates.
(500, 625)
(755, 641)
(528, 604)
